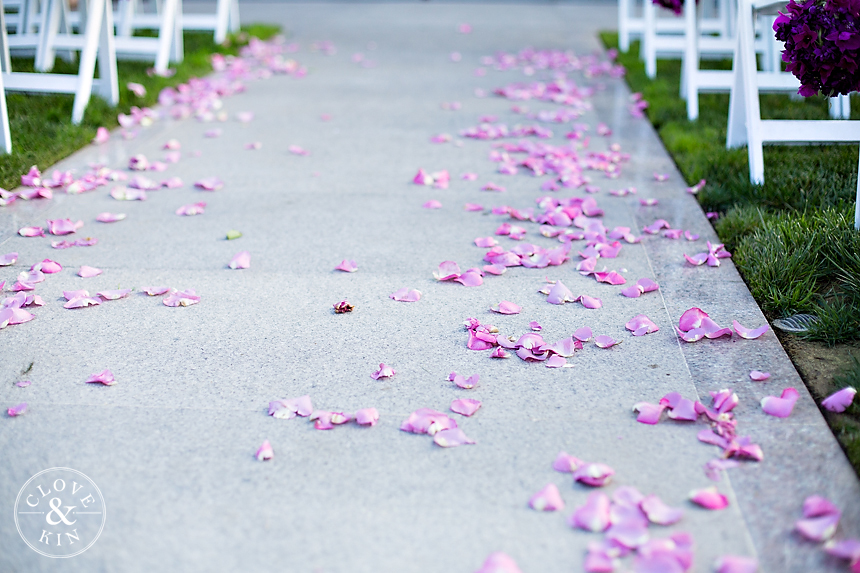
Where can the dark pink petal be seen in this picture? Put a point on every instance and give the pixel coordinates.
(815, 506)
(724, 400)
(583, 334)
(497, 562)
(17, 410)
(406, 295)
(559, 294)
(209, 184)
(846, 549)
(709, 498)
(590, 301)
(641, 324)
(499, 352)
(110, 217)
(566, 463)
(691, 319)
(383, 372)
(594, 474)
(23, 383)
(684, 410)
(604, 341)
(818, 528)
(367, 417)
(192, 209)
(610, 277)
(432, 204)
(181, 298)
(347, 266)
(506, 307)
(114, 294)
(31, 232)
(104, 377)
(465, 406)
(735, 563)
(780, 407)
(648, 413)
(470, 278)
(660, 513)
(448, 270)
(632, 292)
(87, 272)
(759, 376)
(747, 333)
(265, 452)
(422, 178)
(547, 499)
(476, 343)
(451, 438)
(594, 515)
(155, 291)
(840, 400)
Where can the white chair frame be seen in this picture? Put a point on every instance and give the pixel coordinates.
(225, 19)
(746, 127)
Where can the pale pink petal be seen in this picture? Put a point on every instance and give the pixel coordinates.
(583, 334)
(486, 242)
(367, 417)
(451, 438)
(242, 260)
(684, 410)
(660, 513)
(383, 372)
(648, 413)
(155, 290)
(604, 341)
(845, 549)
(641, 324)
(594, 515)
(495, 269)
(23, 383)
(590, 302)
(696, 188)
(534, 325)
(815, 506)
(17, 410)
(691, 236)
(628, 533)
(557, 361)
(172, 144)
(594, 474)
(172, 183)
(265, 452)
(105, 377)
(347, 266)
(185, 297)
(102, 135)
(448, 270)
(63, 226)
(110, 217)
(470, 278)
(138, 163)
(759, 376)
(840, 400)
(114, 294)
(748, 333)
(126, 194)
(735, 563)
(209, 184)
(245, 116)
(818, 528)
(566, 463)
(474, 207)
(709, 498)
(406, 295)
(498, 562)
(465, 406)
(713, 467)
(87, 272)
(632, 292)
(559, 294)
(780, 407)
(213, 132)
(432, 204)
(8, 259)
(31, 232)
(547, 499)
(192, 209)
(506, 307)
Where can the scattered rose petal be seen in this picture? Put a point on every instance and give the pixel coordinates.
(648, 413)
(735, 563)
(709, 498)
(254, 145)
(660, 513)
(383, 372)
(31, 232)
(759, 376)
(297, 150)
(470, 278)
(245, 116)
(406, 295)
(17, 410)
(640, 325)
(114, 294)
(780, 407)
(288, 409)
(104, 377)
(192, 209)
(498, 562)
(845, 549)
(211, 133)
(432, 204)
(87, 272)
(102, 135)
(209, 184)
(155, 291)
(367, 417)
(506, 307)
(110, 217)
(8, 259)
(604, 341)
(242, 260)
(474, 207)
(182, 298)
(840, 400)
(748, 333)
(547, 499)
(347, 266)
(343, 307)
(465, 406)
(583, 334)
(23, 383)
(126, 194)
(596, 475)
(451, 438)
(821, 518)
(265, 452)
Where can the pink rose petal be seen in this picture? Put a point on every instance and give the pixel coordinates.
(486, 242)
(114, 294)
(8, 259)
(735, 563)
(463, 382)
(297, 150)
(473, 207)
(547, 499)
(242, 260)
(448, 270)
(102, 136)
(451, 438)
(265, 452)
(155, 291)
(192, 209)
(406, 295)
(819, 528)
(495, 269)
(470, 278)
(640, 325)
(31, 232)
(498, 562)
(845, 549)
(566, 463)
(748, 333)
(840, 400)
(590, 302)
(126, 194)
(110, 217)
(18, 410)
(660, 513)
(709, 498)
(367, 417)
(759, 376)
(583, 334)
(604, 341)
(559, 294)
(594, 515)
(185, 297)
(506, 307)
(383, 372)
(209, 184)
(780, 407)
(465, 406)
(288, 409)
(596, 475)
(87, 272)
(104, 377)
(432, 204)
(347, 266)
(648, 413)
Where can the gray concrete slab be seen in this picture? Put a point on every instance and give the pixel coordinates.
(171, 445)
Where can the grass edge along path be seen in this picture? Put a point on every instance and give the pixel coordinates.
(41, 126)
(792, 238)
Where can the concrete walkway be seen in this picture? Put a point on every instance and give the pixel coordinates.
(171, 445)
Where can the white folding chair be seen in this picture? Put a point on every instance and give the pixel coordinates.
(225, 18)
(746, 127)
(97, 43)
(166, 48)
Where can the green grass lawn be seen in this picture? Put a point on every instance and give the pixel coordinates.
(792, 238)
(42, 131)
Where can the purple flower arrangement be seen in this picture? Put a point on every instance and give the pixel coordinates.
(822, 45)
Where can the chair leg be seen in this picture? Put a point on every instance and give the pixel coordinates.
(623, 30)
(649, 53)
(92, 35)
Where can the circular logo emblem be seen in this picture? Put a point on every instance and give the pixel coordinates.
(60, 512)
